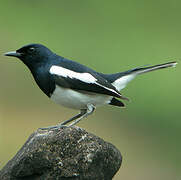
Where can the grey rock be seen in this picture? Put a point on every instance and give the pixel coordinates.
(61, 154)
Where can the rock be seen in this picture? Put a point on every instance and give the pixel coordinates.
(65, 153)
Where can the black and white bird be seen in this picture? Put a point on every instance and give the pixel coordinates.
(74, 85)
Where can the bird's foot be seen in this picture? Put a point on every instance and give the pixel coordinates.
(58, 126)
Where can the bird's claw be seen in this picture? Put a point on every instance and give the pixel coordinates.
(59, 126)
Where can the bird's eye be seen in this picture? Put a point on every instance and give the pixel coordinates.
(31, 49)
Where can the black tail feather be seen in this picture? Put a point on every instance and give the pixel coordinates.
(116, 102)
(112, 77)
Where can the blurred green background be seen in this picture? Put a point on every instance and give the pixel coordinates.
(108, 36)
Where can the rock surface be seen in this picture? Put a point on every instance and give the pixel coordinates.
(66, 153)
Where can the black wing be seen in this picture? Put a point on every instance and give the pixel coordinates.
(86, 81)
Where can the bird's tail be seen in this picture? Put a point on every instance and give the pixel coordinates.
(151, 68)
(120, 80)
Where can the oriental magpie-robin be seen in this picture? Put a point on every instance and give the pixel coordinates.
(74, 85)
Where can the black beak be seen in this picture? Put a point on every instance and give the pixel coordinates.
(13, 53)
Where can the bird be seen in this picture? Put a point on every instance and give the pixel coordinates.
(73, 85)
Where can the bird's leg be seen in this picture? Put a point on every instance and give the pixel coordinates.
(77, 118)
(90, 109)
(73, 118)
(63, 124)
(51, 127)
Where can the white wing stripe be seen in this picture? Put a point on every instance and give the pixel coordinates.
(108, 89)
(60, 71)
(85, 77)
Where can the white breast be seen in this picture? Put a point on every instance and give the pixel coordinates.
(77, 99)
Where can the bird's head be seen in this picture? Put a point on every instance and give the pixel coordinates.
(31, 54)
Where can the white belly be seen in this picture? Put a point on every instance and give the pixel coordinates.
(78, 100)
